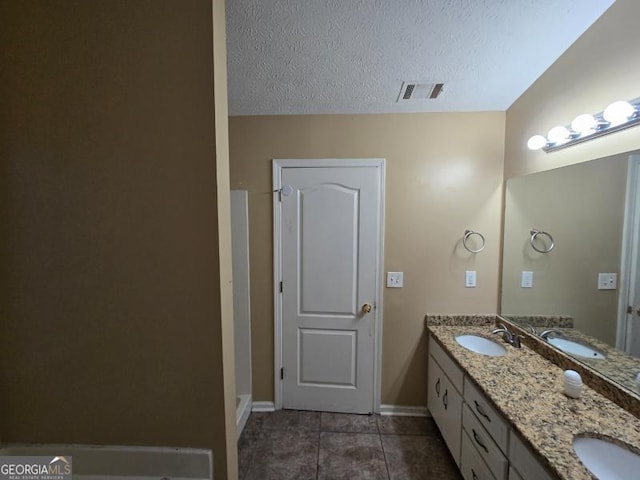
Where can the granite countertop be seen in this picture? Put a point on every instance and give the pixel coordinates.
(527, 389)
(617, 366)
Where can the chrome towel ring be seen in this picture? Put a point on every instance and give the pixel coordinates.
(537, 233)
(467, 235)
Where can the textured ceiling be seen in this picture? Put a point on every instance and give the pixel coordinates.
(351, 56)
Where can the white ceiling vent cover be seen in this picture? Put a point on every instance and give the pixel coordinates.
(412, 91)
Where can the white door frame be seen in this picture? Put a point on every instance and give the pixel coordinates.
(278, 165)
(630, 251)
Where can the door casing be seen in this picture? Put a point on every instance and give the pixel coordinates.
(630, 255)
(277, 166)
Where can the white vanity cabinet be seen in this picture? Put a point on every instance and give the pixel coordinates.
(487, 430)
(524, 462)
(478, 436)
(444, 397)
(471, 464)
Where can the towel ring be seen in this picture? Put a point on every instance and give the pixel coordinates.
(467, 235)
(535, 234)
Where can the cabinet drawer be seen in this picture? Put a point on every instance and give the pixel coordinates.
(449, 366)
(445, 405)
(488, 416)
(484, 444)
(471, 464)
(526, 462)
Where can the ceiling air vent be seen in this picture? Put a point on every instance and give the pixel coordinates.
(419, 91)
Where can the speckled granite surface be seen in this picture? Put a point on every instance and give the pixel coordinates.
(618, 366)
(562, 321)
(613, 377)
(460, 319)
(527, 389)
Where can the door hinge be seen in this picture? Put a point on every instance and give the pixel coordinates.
(281, 286)
(629, 309)
(282, 373)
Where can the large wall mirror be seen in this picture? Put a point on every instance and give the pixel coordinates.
(563, 230)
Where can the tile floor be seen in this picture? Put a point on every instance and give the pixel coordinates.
(289, 444)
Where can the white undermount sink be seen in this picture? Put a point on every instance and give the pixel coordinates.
(607, 460)
(576, 348)
(481, 345)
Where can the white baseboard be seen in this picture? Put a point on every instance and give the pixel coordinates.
(263, 407)
(404, 411)
(243, 411)
(397, 410)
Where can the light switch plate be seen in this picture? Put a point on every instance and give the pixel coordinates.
(470, 279)
(607, 281)
(395, 279)
(526, 280)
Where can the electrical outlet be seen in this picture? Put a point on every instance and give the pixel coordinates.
(526, 280)
(607, 281)
(470, 279)
(395, 279)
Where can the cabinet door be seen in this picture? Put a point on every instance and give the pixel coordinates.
(445, 405)
(453, 372)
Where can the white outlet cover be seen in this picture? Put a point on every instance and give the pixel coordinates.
(395, 279)
(607, 281)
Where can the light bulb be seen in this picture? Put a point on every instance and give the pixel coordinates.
(618, 112)
(558, 135)
(584, 124)
(536, 142)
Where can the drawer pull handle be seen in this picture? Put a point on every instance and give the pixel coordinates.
(475, 437)
(445, 401)
(480, 410)
(438, 387)
(475, 477)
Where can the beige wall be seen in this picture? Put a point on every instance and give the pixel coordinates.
(114, 318)
(444, 175)
(600, 67)
(582, 207)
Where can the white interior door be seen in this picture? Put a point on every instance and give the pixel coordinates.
(330, 235)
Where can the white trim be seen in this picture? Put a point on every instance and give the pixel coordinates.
(277, 275)
(277, 166)
(404, 411)
(263, 407)
(243, 410)
(629, 254)
(377, 366)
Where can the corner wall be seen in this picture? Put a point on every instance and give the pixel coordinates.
(443, 175)
(113, 315)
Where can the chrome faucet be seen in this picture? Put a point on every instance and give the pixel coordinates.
(545, 334)
(507, 336)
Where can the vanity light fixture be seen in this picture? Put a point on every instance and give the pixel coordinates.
(617, 116)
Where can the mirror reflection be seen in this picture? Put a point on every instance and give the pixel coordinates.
(571, 262)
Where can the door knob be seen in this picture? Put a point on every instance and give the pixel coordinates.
(366, 308)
